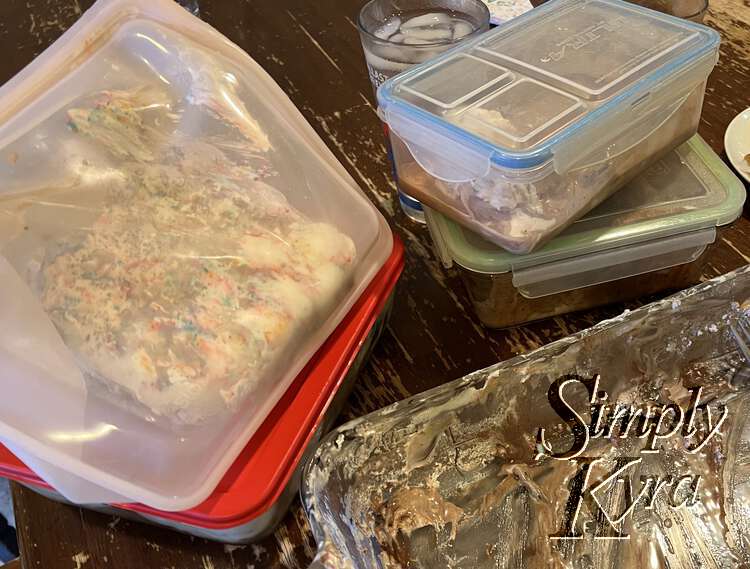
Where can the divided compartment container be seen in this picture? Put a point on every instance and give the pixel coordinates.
(255, 494)
(522, 131)
(654, 235)
(162, 202)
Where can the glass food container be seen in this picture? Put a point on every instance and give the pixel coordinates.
(655, 234)
(622, 446)
(257, 490)
(520, 132)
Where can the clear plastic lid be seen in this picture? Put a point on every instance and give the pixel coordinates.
(689, 191)
(175, 244)
(520, 91)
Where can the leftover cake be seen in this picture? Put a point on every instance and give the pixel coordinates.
(196, 276)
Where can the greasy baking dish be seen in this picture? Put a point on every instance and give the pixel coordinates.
(487, 471)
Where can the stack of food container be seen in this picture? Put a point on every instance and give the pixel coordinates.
(255, 493)
(655, 235)
(190, 281)
(520, 133)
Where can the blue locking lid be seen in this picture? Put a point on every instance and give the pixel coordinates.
(520, 93)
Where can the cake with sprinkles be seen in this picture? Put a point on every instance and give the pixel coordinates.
(189, 288)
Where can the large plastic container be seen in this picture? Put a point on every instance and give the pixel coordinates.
(522, 131)
(654, 235)
(256, 492)
(176, 243)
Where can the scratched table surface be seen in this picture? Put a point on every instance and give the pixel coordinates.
(312, 50)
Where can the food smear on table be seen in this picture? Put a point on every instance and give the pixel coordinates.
(504, 10)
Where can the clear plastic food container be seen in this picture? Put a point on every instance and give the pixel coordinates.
(177, 243)
(623, 446)
(656, 234)
(522, 131)
(256, 492)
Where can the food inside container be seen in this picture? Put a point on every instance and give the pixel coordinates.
(538, 462)
(192, 279)
(520, 132)
(178, 243)
(654, 235)
(256, 492)
(503, 10)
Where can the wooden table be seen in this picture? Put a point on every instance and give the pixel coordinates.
(312, 50)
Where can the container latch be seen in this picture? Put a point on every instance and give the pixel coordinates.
(439, 154)
(614, 264)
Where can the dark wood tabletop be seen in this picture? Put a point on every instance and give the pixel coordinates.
(312, 50)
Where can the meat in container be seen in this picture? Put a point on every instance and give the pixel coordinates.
(654, 235)
(255, 494)
(520, 132)
(623, 446)
(176, 243)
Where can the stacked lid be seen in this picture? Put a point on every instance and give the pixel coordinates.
(177, 243)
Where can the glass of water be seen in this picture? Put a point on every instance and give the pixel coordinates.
(397, 34)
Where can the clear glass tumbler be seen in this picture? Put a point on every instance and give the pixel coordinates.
(397, 34)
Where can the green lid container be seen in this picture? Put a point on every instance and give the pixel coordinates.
(665, 218)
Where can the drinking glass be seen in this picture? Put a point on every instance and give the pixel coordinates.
(397, 34)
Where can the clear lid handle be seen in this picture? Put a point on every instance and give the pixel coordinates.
(606, 266)
(630, 127)
(637, 118)
(441, 248)
(439, 154)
